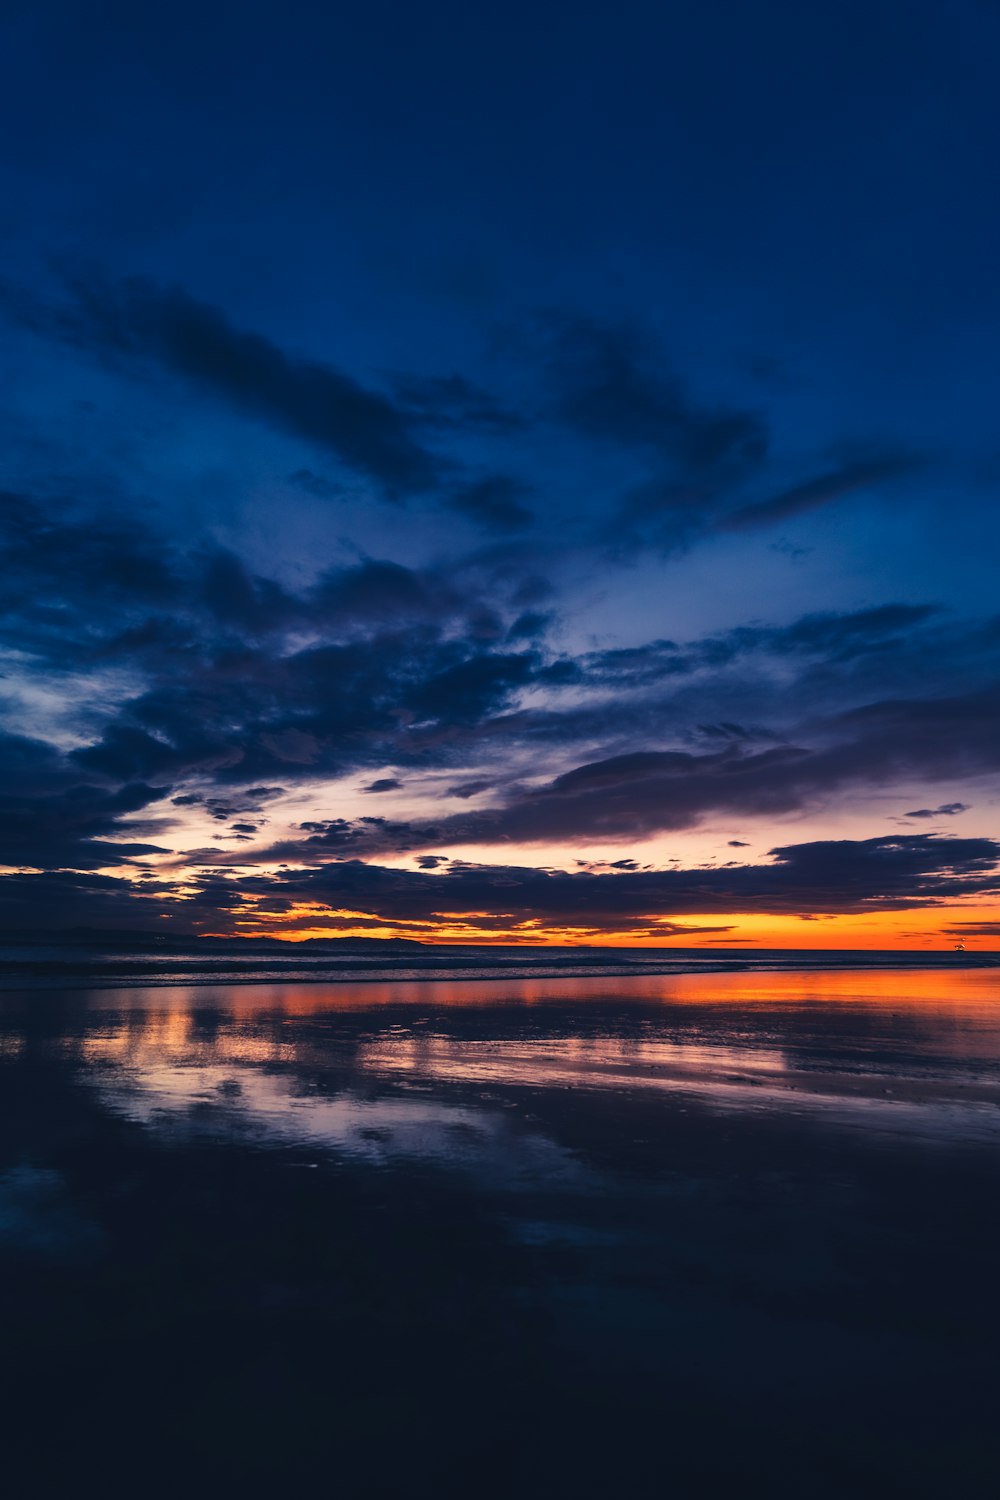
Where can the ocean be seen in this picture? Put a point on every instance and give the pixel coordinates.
(39, 964)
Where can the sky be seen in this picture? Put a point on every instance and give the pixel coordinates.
(501, 473)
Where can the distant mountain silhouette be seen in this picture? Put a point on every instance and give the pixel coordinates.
(129, 941)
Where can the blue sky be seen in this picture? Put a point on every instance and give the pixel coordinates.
(376, 377)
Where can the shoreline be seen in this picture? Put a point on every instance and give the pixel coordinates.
(53, 977)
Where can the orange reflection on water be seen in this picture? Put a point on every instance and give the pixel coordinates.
(975, 992)
(915, 1054)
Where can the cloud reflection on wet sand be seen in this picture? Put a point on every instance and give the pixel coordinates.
(920, 1063)
(737, 1233)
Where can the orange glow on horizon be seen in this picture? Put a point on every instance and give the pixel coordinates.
(925, 927)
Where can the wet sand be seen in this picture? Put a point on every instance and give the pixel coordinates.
(692, 1234)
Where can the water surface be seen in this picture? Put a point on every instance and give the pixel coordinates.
(723, 1232)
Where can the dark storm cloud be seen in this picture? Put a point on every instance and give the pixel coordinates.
(225, 589)
(451, 401)
(473, 688)
(179, 746)
(419, 676)
(530, 625)
(135, 320)
(383, 784)
(947, 810)
(466, 789)
(833, 636)
(55, 900)
(108, 595)
(788, 678)
(252, 800)
(242, 680)
(226, 686)
(655, 790)
(823, 490)
(52, 816)
(71, 571)
(838, 636)
(688, 462)
(247, 713)
(646, 792)
(608, 382)
(88, 587)
(86, 583)
(376, 592)
(827, 877)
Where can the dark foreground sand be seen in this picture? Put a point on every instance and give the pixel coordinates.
(698, 1235)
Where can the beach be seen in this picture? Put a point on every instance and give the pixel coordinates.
(729, 1231)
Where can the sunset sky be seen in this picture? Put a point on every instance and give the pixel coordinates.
(501, 473)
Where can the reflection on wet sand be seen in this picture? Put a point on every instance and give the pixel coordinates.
(238, 1100)
(713, 1234)
(924, 1063)
(971, 995)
